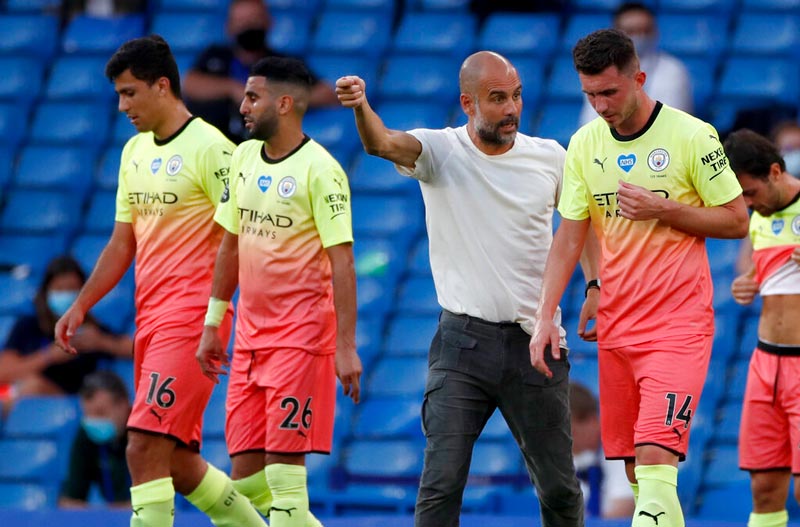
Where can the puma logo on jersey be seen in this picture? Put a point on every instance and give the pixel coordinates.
(289, 511)
(159, 417)
(136, 511)
(601, 163)
(655, 517)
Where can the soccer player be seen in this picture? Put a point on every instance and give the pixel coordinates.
(288, 245)
(172, 175)
(490, 193)
(654, 182)
(770, 426)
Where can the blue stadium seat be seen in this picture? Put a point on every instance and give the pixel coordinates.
(84, 124)
(401, 115)
(451, 34)
(374, 295)
(532, 74)
(418, 296)
(722, 255)
(18, 294)
(729, 504)
(99, 218)
(737, 377)
(580, 25)
(44, 417)
(330, 67)
(28, 459)
(86, 249)
(422, 78)
(389, 418)
(30, 250)
(115, 309)
(729, 416)
(11, 115)
(702, 72)
(559, 120)
(123, 368)
(369, 332)
(345, 32)
(695, 34)
(121, 130)
(189, 32)
(22, 77)
(496, 429)
(366, 459)
(496, 462)
(107, 175)
(387, 216)
(419, 261)
(439, 5)
(597, 5)
(34, 35)
(79, 78)
(726, 328)
(214, 416)
(398, 377)
(516, 35)
(583, 369)
(411, 334)
(778, 34)
(385, 7)
(307, 6)
(218, 6)
(39, 211)
(771, 5)
(216, 452)
(7, 323)
(290, 32)
(722, 467)
(377, 257)
(26, 496)
(32, 6)
(56, 168)
(749, 336)
(333, 128)
(373, 174)
(86, 34)
(720, 7)
(564, 84)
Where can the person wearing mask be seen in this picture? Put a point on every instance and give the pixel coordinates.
(97, 455)
(667, 77)
(31, 363)
(214, 86)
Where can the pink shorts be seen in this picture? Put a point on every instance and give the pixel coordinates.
(649, 393)
(280, 401)
(171, 390)
(769, 433)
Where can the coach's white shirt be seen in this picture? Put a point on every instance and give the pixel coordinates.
(489, 222)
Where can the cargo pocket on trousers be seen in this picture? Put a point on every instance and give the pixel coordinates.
(454, 343)
(435, 382)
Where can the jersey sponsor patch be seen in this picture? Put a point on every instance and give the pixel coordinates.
(264, 183)
(155, 165)
(777, 226)
(658, 159)
(626, 161)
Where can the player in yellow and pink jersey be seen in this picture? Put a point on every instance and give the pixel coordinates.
(288, 233)
(769, 433)
(653, 182)
(172, 175)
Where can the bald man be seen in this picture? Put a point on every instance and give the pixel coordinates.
(490, 193)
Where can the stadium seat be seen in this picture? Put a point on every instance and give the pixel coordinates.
(331, 66)
(99, 218)
(86, 249)
(352, 33)
(366, 460)
(121, 130)
(107, 175)
(583, 369)
(22, 77)
(722, 255)
(395, 216)
(377, 257)
(7, 323)
(290, 32)
(496, 462)
(405, 116)
(115, 309)
(33, 251)
(306, 6)
(517, 35)
(702, 72)
(385, 7)
(411, 334)
(45, 417)
(375, 175)
(439, 5)
(179, 6)
(418, 296)
(729, 504)
(419, 261)
(559, 120)
(26, 496)
(771, 5)
(449, 34)
(374, 295)
(729, 416)
(398, 377)
(694, 35)
(581, 24)
(333, 128)
(721, 7)
(216, 452)
(532, 74)
(605, 6)
(28, 459)
(425, 78)
(389, 418)
(563, 84)
(79, 78)
(749, 336)
(189, 32)
(11, 132)
(39, 211)
(123, 368)
(18, 294)
(496, 429)
(778, 34)
(86, 34)
(32, 6)
(214, 416)
(369, 332)
(84, 124)
(56, 168)
(726, 328)
(722, 467)
(28, 35)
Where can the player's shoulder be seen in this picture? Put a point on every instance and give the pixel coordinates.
(200, 129)
(690, 126)
(317, 155)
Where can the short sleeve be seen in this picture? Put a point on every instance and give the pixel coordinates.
(215, 169)
(573, 203)
(123, 207)
(329, 193)
(711, 173)
(423, 167)
(227, 213)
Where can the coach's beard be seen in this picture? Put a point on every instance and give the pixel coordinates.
(490, 133)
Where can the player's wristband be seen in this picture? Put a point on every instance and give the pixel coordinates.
(591, 284)
(216, 312)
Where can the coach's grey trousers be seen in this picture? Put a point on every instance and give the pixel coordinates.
(474, 367)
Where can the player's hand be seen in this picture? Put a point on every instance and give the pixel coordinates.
(351, 91)
(66, 327)
(211, 355)
(545, 338)
(639, 203)
(589, 312)
(744, 289)
(348, 370)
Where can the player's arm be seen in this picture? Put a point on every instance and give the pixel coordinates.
(397, 146)
(115, 259)
(348, 364)
(729, 220)
(590, 265)
(564, 255)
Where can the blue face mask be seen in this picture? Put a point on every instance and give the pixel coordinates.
(59, 301)
(99, 430)
(792, 160)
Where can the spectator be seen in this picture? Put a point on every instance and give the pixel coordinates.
(97, 455)
(605, 486)
(31, 363)
(667, 77)
(786, 136)
(214, 86)
(99, 8)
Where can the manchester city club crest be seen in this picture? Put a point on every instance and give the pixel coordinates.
(155, 165)
(796, 225)
(287, 187)
(174, 165)
(658, 160)
(777, 226)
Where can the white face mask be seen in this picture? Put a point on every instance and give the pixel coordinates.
(792, 160)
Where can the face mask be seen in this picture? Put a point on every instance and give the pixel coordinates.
(792, 160)
(251, 39)
(59, 301)
(99, 430)
(645, 44)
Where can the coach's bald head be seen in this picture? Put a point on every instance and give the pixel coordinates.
(481, 65)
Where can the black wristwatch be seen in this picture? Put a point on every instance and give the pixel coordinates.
(591, 284)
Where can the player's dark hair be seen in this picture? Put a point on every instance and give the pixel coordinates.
(601, 49)
(582, 402)
(283, 69)
(149, 59)
(752, 153)
(103, 381)
(627, 7)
